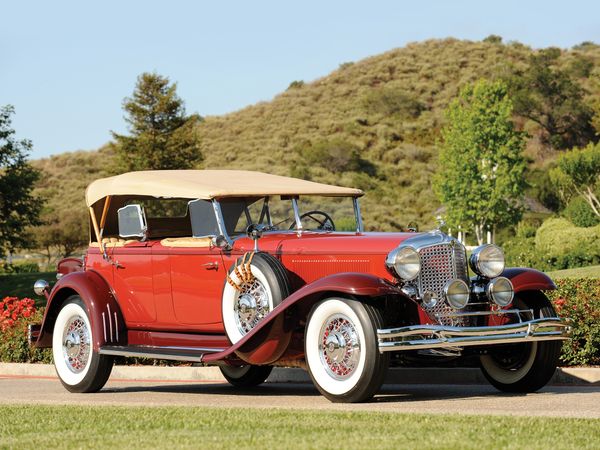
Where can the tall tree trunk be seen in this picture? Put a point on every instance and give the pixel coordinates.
(479, 233)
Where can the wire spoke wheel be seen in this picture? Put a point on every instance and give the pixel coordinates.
(76, 344)
(79, 367)
(341, 350)
(340, 346)
(251, 305)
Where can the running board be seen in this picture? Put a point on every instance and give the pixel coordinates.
(190, 354)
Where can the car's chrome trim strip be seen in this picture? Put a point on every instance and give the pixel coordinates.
(415, 337)
(191, 354)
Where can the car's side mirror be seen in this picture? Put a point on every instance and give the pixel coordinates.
(220, 241)
(132, 222)
(255, 231)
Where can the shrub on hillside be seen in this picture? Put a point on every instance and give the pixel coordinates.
(580, 213)
(296, 84)
(15, 315)
(337, 156)
(579, 300)
(390, 101)
(493, 39)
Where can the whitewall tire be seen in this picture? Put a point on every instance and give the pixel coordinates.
(245, 307)
(341, 350)
(79, 367)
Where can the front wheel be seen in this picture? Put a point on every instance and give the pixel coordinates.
(341, 350)
(246, 376)
(78, 366)
(526, 367)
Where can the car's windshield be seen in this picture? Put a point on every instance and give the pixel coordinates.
(317, 213)
(322, 212)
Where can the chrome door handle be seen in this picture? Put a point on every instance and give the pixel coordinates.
(211, 265)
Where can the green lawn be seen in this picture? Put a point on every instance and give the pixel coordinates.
(580, 272)
(21, 284)
(179, 427)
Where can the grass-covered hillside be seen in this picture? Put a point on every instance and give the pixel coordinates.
(373, 124)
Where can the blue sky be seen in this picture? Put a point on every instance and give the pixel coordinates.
(66, 66)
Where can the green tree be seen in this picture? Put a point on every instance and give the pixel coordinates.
(62, 233)
(578, 173)
(19, 209)
(162, 135)
(481, 172)
(551, 98)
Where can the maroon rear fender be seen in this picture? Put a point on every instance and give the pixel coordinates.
(524, 279)
(269, 339)
(103, 310)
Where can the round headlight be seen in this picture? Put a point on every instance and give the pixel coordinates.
(457, 293)
(487, 261)
(500, 291)
(404, 262)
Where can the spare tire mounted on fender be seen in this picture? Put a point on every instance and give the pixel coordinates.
(256, 284)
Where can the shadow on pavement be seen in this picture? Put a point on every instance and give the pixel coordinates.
(269, 389)
(388, 393)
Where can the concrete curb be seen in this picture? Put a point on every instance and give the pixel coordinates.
(578, 376)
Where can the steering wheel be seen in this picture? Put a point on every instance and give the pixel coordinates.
(325, 224)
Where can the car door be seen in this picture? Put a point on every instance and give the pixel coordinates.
(197, 280)
(132, 282)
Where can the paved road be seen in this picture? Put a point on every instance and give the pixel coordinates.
(557, 401)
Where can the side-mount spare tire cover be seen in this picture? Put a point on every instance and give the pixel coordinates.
(256, 284)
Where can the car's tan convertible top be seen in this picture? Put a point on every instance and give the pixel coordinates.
(208, 184)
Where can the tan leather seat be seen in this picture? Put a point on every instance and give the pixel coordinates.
(187, 242)
(111, 242)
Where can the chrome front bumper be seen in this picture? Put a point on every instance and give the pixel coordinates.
(415, 337)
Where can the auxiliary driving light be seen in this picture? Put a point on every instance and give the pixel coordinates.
(457, 293)
(500, 290)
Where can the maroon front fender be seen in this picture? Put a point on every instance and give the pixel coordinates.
(103, 310)
(524, 279)
(270, 338)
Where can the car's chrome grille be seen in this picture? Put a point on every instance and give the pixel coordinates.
(439, 264)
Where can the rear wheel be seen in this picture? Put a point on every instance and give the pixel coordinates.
(78, 366)
(341, 350)
(524, 367)
(246, 376)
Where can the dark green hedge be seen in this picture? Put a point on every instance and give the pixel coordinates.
(579, 299)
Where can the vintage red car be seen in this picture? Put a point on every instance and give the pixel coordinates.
(248, 271)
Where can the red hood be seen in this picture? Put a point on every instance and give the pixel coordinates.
(311, 242)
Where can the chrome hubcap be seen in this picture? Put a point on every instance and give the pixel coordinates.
(247, 307)
(76, 344)
(251, 306)
(339, 347)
